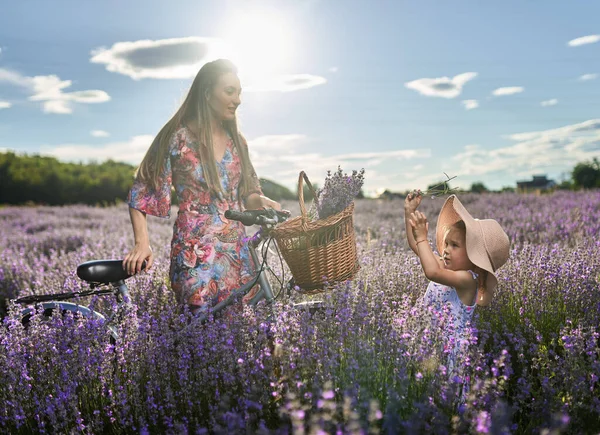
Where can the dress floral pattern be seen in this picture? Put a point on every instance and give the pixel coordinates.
(209, 254)
(438, 297)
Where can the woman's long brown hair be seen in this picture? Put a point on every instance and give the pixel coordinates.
(195, 108)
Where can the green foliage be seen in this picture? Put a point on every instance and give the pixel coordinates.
(587, 174)
(439, 188)
(565, 185)
(45, 180)
(308, 195)
(276, 191)
(478, 187)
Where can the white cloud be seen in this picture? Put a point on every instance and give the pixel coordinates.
(14, 78)
(508, 90)
(443, 87)
(57, 106)
(282, 157)
(159, 59)
(583, 128)
(99, 133)
(285, 83)
(285, 168)
(551, 102)
(178, 58)
(534, 152)
(132, 151)
(276, 157)
(49, 90)
(5, 104)
(470, 104)
(276, 143)
(589, 39)
(586, 77)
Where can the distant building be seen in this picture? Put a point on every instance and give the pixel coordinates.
(540, 183)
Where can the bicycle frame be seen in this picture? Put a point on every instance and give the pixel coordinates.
(48, 308)
(266, 220)
(96, 272)
(259, 278)
(110, 272)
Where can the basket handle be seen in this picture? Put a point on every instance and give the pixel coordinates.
(303, 177)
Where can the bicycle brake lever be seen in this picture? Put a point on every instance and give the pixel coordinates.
(268, 221)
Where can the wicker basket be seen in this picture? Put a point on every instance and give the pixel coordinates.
(318, 252)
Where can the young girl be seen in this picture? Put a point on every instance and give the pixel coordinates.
(462, 275)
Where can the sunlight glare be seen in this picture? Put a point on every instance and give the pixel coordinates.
(259, 44)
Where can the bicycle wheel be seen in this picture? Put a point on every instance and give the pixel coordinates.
(49, 309)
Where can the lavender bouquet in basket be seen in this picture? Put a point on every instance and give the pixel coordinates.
(338, 191)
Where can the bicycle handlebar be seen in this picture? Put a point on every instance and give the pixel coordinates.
(267, 216)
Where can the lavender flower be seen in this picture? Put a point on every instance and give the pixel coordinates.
(338, 191)
(532, 364)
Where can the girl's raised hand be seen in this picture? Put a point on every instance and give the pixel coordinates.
(412, 201)
(419, 225)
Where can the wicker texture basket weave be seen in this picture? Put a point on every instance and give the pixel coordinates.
(321, 251)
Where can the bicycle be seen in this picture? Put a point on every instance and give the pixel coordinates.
(107, 277)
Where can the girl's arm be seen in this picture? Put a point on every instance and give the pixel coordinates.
(141, 250)
(432, 267)
(412, 201)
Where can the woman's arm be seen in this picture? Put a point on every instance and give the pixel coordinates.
(141, 250)
(255, 201)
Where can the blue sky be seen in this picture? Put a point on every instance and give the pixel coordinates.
(483, 91)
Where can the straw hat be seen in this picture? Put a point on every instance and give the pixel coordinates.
(487, 244)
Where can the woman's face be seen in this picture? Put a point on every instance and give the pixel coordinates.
(225, 97)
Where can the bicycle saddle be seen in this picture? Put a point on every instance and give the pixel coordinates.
(103, 271)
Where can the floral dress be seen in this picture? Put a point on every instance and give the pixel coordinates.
(438, 297)
(209, 254)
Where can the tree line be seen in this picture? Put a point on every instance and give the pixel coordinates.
(585, 175)
(46, 180)
(35, 179)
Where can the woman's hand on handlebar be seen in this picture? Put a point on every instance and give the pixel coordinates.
(132, 263)
(256, 201)
(269, 203)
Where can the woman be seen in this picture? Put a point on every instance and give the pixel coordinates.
(203, 155)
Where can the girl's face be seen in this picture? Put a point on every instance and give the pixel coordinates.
(225, 97)
(455, 250)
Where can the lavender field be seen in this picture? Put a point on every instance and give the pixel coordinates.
(367, 364)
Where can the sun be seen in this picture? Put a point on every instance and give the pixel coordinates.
(259, 43)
